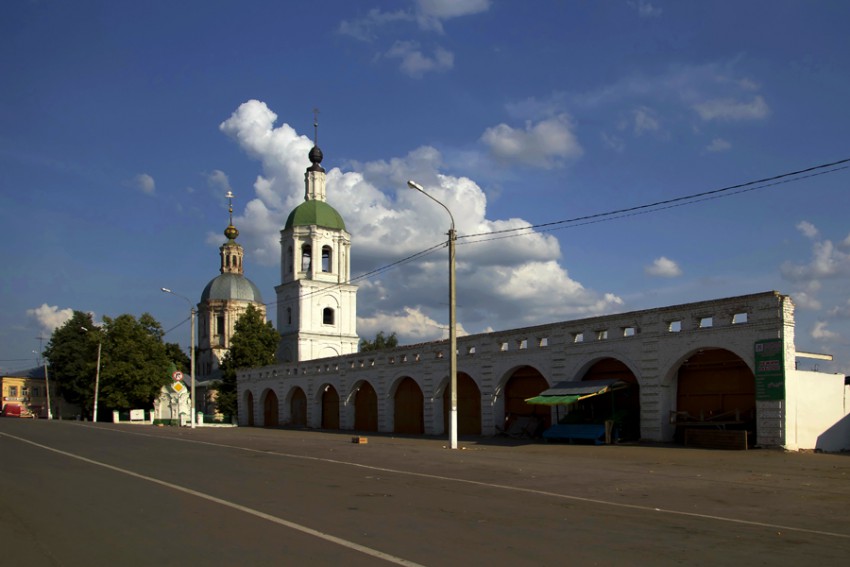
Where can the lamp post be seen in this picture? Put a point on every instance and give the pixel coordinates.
(96, 377)
(191, 353)
(452, 322)
(46, 387)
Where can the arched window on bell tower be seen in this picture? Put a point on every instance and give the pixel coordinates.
(289, 259)
(306, 257)
(328, 316)
(327, 257)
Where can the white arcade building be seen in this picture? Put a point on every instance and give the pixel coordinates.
(725, 364)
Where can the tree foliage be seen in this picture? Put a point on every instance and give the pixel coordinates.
(72, 353)
(253, 344)
(133, 365)
(381, 342)
(175, 354)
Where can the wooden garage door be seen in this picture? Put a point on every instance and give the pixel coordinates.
(330, 408)
(409, 406)
(468, 406)
(366, 408)
(298, 408)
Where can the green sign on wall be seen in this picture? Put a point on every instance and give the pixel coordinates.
(770, 370)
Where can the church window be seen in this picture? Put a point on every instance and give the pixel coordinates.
(326, 259)
(328, 316)
(289, 259)
(219, 325)
(306, 252)
(289, 315)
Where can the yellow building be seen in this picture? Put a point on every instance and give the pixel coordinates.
(25, 395)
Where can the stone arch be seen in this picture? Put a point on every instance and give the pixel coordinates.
(468, 405)
(522, 419)
(365, 406)
(714, 385)
(409, 407)
(329, 402)
(622, 406)
(271, 409)
(248, 404)
(297, 407)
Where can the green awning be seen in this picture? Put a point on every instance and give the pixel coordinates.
(552, 400)
(565, 393)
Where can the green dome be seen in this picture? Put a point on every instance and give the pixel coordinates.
(317, 213)
(231, 287)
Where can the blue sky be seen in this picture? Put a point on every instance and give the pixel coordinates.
(123, 125)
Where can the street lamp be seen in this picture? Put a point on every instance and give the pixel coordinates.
(191, 353)
(46, 387)
(452, 322)
(96, 377)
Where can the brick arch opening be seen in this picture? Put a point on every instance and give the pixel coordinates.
(298, 408)
(330, 408)
(365, 408)
(271, 416)
(409, 415)
(522, 419)
(622, 405)
(468, 405)
(716, 389)
(249, 407)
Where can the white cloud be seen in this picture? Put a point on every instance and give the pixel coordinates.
(826, 262)
(415, 63)
(50, 317)
(846, 242)
(501, 283)
(807, 300)
(663, 268)
(807, 229)
(645, 120)
(365, 28)
(431, 13)
(841, 311)
(144, 183)
(732, 109)
(546, 144)
(821, 333)
(645, 9)
(718, 145)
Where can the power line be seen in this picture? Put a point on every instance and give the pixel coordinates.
(731, 190)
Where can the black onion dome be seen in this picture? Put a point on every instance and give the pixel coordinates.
(316, 157)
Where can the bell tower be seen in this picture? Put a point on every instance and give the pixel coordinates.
(316, 304)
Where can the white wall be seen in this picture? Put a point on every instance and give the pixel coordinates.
(818, 412)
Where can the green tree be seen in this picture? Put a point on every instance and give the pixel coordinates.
(381, 342)
(72, 354)
(253, 344)
(135, 363)
(176, 355)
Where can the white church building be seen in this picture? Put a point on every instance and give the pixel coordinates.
(658, 374)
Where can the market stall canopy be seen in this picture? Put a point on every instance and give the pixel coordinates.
(565, 393)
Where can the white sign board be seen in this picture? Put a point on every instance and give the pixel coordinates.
(137, 415)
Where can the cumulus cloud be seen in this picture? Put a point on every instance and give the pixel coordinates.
(415, 63)
(432, 13)
(841, 311)
(663, 268)
(807, 229)
(645, 9)
(732, 109)
(821, 333)
(718, 145)
(826, 262)
(50, 317)
(548, 143)
(144, 183)
(501, 283)
(366, 28)
(644, 120)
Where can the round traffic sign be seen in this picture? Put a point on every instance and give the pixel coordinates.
(177, 375)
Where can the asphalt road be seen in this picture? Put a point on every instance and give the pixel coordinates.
(75, 493)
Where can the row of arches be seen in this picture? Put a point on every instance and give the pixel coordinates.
(710, 382)
(307, 258)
